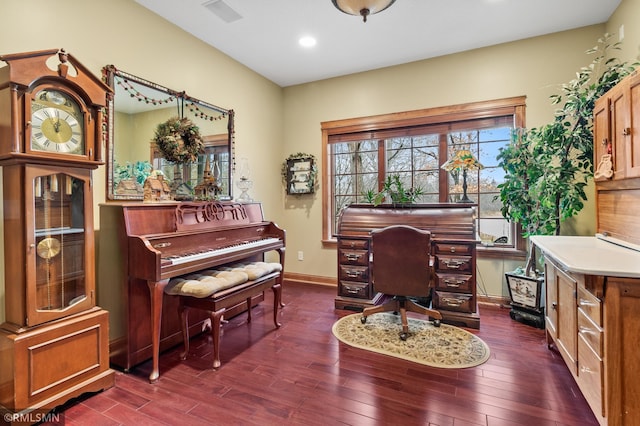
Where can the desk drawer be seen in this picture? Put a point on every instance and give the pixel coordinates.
(453, 263)
(453, 301)
(354, 289)
(354, 273)
(353, 257)
(453, 282)
(353, 244)
(459, 249)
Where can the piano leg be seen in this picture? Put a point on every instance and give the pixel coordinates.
(248, 309)
(216, 318)
(156, 293)
(277, 302)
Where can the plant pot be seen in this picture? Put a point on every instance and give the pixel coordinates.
(527, 298)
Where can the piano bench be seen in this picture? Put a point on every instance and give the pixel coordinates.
(217, 303)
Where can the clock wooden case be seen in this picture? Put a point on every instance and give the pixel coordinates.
(54, 336)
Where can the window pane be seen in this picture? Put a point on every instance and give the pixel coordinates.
(482, 189)
(415, 160)
(355, 171)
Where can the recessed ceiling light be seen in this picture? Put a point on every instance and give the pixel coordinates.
(307, 41)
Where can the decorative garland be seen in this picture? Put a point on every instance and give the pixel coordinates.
(141, 97)
(179, 140)
(311, 183)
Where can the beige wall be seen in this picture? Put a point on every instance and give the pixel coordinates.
(272, 123)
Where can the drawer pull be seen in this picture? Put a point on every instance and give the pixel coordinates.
(587, 330)
(453, 264)
(350, 290)
(455, 283)
(352, 256)
(353, 274)
(452, 249)
(585, 370)
(584, 302)
(554, 306)
(452, 302)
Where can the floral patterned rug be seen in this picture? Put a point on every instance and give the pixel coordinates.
(446, 346)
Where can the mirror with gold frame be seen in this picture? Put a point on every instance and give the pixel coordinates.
(133, 114)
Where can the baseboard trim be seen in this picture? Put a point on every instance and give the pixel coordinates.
(501, 301)
(310, 279)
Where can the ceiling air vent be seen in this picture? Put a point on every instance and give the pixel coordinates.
(222, 10)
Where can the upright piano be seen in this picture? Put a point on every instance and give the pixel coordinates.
(144, 245)
(453, 239)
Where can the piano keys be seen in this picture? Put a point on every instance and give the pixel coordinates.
(143, 245)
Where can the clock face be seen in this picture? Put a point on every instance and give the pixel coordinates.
(57, 123)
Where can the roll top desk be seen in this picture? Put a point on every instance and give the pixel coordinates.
(453, 246)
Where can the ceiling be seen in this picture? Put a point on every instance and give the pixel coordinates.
(265, 35)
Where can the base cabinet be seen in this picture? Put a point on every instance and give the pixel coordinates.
(593, 322)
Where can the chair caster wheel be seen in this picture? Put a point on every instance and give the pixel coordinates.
(403, 336)
(363, 320)
(436, 323)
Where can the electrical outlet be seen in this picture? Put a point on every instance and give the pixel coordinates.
(300, 255)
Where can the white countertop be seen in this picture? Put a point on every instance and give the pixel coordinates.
(590, 255)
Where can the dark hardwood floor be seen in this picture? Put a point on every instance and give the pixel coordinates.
(301, 375)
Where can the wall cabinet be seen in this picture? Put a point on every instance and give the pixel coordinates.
(616, 132)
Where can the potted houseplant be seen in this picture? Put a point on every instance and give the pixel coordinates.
(394, 192)
(547, 168)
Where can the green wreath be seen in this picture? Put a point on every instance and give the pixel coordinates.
(179, 140)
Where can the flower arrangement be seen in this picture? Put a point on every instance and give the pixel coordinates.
(179, 140)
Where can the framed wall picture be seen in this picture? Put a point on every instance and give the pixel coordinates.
(300, 176)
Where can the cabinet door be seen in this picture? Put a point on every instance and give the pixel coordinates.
(551, 294)
(567, 325)
(602, 139)
(619, 129)
(622, 328)
(60, 262)
(632, 138)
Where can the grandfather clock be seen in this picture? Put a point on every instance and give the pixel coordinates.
(54, 341)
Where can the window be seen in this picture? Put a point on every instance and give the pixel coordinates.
(360, 153)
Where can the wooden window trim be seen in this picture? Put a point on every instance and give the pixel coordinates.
(474, 110)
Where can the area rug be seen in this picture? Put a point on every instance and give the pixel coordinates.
(446, 346)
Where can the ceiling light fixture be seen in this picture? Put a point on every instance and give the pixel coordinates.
(363, 8)
(307, 41)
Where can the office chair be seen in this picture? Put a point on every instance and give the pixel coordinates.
(401, 268)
